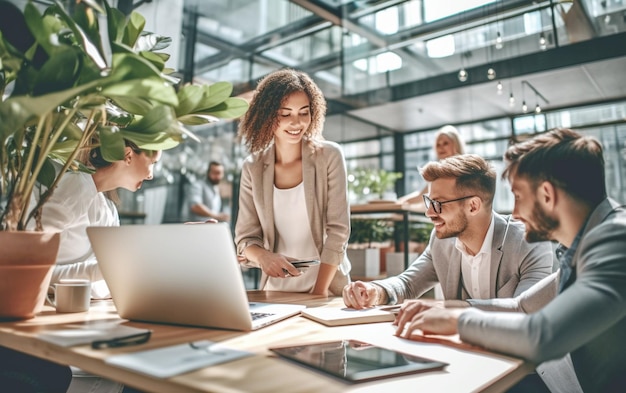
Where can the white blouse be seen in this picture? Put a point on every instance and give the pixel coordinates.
(293, 239)
(74, 205)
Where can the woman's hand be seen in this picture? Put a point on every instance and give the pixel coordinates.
(277, 265)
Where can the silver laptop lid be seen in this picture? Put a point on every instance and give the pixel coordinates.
(173, 273)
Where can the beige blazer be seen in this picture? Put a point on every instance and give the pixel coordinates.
(325, 187)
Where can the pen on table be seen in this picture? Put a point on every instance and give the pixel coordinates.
(132, 339)
(394, 308)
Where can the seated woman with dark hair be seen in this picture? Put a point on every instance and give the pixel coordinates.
(79, 201)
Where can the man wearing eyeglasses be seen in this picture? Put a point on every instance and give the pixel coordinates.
(577, 316)
(473, 251)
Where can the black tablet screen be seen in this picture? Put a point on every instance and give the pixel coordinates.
(357, 361)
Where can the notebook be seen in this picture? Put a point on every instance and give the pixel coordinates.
(333, 316)
(180, 274)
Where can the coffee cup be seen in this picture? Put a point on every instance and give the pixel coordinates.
(70, 295)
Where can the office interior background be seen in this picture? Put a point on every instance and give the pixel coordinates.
(395, 71)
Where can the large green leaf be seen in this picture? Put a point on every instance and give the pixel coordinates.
(128, 66)
(213, 95)
(93, 51)
(197, 119)
(111, 143)
(150, 42)
(13, 115)
(153, 58)
(41, 105)
(63, 149)
(85, 18)
(134, 27)
(47, 174)
(159, 119)
(189, 96)
(231, 108)
(39, 28)
(116, 23)
(158, 141)
(71, 131)
(135, 105)
(59, 72)
(152, 87)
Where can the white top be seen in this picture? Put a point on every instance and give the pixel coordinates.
(74, 205)
(476, 269)
(293, 239)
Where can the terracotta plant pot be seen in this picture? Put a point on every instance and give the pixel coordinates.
(26, 264)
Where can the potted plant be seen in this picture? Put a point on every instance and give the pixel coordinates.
(419, 235)
(367, 183)
(65, 79)
(367, 237)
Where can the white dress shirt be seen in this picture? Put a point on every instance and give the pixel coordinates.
(475, 269)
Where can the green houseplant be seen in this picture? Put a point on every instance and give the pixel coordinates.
(65, 79)
(367, 182)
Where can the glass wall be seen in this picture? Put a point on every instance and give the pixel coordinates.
(490, 139)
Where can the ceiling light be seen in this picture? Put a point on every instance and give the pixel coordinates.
(537, 109)
(491, 74)
(524, 107)
(499, 88)
(498, 41)
(463, 75)
(542, 42)
(511, 100)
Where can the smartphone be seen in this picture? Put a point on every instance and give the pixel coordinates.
(305, 263)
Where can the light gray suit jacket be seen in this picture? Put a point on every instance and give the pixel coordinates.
(515, 266)
(586, 320)
(325, 188)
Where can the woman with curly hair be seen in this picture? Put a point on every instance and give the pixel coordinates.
(293, 200)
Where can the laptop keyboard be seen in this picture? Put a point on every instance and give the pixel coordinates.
(258, 315)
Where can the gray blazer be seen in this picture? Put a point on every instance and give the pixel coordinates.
(587, 319)
(325, 187)
(515, 266)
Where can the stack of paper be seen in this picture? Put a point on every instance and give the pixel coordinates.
(178, 359)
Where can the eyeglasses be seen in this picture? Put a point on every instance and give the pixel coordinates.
(437, 205)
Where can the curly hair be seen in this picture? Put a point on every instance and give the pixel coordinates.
(257, 125)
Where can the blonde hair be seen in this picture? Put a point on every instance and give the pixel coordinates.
(452, 133)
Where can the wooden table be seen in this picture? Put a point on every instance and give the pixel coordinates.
(469, 370)
(393, 211)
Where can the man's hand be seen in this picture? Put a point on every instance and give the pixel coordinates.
(442, 321)
(410, 308)
(360, 295)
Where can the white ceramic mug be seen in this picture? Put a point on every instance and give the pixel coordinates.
(71, 295)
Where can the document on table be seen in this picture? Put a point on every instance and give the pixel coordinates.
(70, 334)
(334, 316)
(178, 359)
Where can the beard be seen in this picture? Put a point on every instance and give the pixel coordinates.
(453, 227)
(540, 227)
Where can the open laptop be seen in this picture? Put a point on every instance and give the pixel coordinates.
(180, 274)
